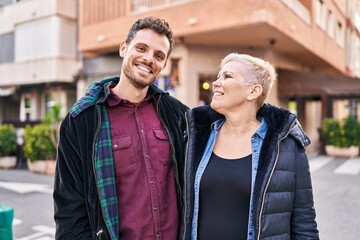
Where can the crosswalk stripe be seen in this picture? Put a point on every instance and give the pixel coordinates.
(44, 229)
(40, 233)
(319, 162)
(351, 167)
(16, 222)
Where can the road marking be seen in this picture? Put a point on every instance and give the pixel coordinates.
(40, 234)
(350, 167)
(319, 162)
(45, 238)
(44, 229)
(32, 236)
(26, 187)
(17, 222)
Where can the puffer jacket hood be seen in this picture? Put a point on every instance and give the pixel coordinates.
(281, 121)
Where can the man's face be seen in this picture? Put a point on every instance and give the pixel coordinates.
(144, 57)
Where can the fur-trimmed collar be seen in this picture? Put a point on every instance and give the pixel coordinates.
(279, 120)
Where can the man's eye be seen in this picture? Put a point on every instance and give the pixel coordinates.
(160, 57)
(141, 49)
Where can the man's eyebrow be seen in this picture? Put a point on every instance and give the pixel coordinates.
(140, 43)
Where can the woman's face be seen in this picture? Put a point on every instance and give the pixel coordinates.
(230, 90)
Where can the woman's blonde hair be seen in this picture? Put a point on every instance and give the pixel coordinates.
(254, 71)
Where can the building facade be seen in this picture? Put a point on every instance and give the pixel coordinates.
(311, 41)
(38, 58)
(314, 45)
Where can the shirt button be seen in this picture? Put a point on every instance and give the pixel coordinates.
(147, 155)
(155, 208)
(151, 182)
(158, 235)
(115, 145)
(142, 131)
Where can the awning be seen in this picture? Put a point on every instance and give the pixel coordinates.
(4, 92)
(308, 84)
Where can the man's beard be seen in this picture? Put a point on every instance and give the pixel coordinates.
(136, 82)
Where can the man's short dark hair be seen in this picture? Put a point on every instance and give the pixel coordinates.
(156, 24)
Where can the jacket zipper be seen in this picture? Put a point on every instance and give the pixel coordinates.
(98, 234)
(268, 182)
(185, 197)
(93, 163)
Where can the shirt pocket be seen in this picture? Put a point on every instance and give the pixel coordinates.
(124, 156)
(162, 146)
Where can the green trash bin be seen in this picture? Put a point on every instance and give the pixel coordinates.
(6, 219)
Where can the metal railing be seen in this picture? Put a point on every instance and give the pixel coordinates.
(144, 5)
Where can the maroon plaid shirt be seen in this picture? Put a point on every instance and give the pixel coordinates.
(145, 181)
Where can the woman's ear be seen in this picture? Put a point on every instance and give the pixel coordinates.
(255, 92)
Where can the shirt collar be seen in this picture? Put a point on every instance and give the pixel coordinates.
(114, 99)
(261, 132)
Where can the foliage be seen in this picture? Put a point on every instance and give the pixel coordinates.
(7, 140)
(341, 133)
(38, 144)
(41, 139)
(53, 119)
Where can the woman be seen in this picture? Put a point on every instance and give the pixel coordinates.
(247, 174)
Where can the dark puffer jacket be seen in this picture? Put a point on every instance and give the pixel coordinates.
(282, 198)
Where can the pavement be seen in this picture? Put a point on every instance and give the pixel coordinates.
(335, 184)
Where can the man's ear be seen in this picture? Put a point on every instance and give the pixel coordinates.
(122, 49)
(255, 91)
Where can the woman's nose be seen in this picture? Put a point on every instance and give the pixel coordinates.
(217, 82)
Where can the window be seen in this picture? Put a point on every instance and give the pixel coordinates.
(318, 11)
(3, 3)
(205, 88)
(330, 24)
(27, 107)
(7, 47)
(34, 40)
(340, 34)
(45, 37)
(321, 14)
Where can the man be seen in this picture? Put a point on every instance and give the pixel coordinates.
(121, 152)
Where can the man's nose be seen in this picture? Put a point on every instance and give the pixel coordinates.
(148, 57)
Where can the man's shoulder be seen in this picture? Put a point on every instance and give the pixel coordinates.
(174, 102)
(96, 92)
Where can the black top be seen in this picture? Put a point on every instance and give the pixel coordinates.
(225, 189)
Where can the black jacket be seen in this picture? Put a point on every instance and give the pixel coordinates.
(79, 213)
(283, 200)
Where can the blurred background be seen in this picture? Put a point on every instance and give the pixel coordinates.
(51, 50)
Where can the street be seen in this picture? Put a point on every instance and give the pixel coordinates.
(335, 182)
